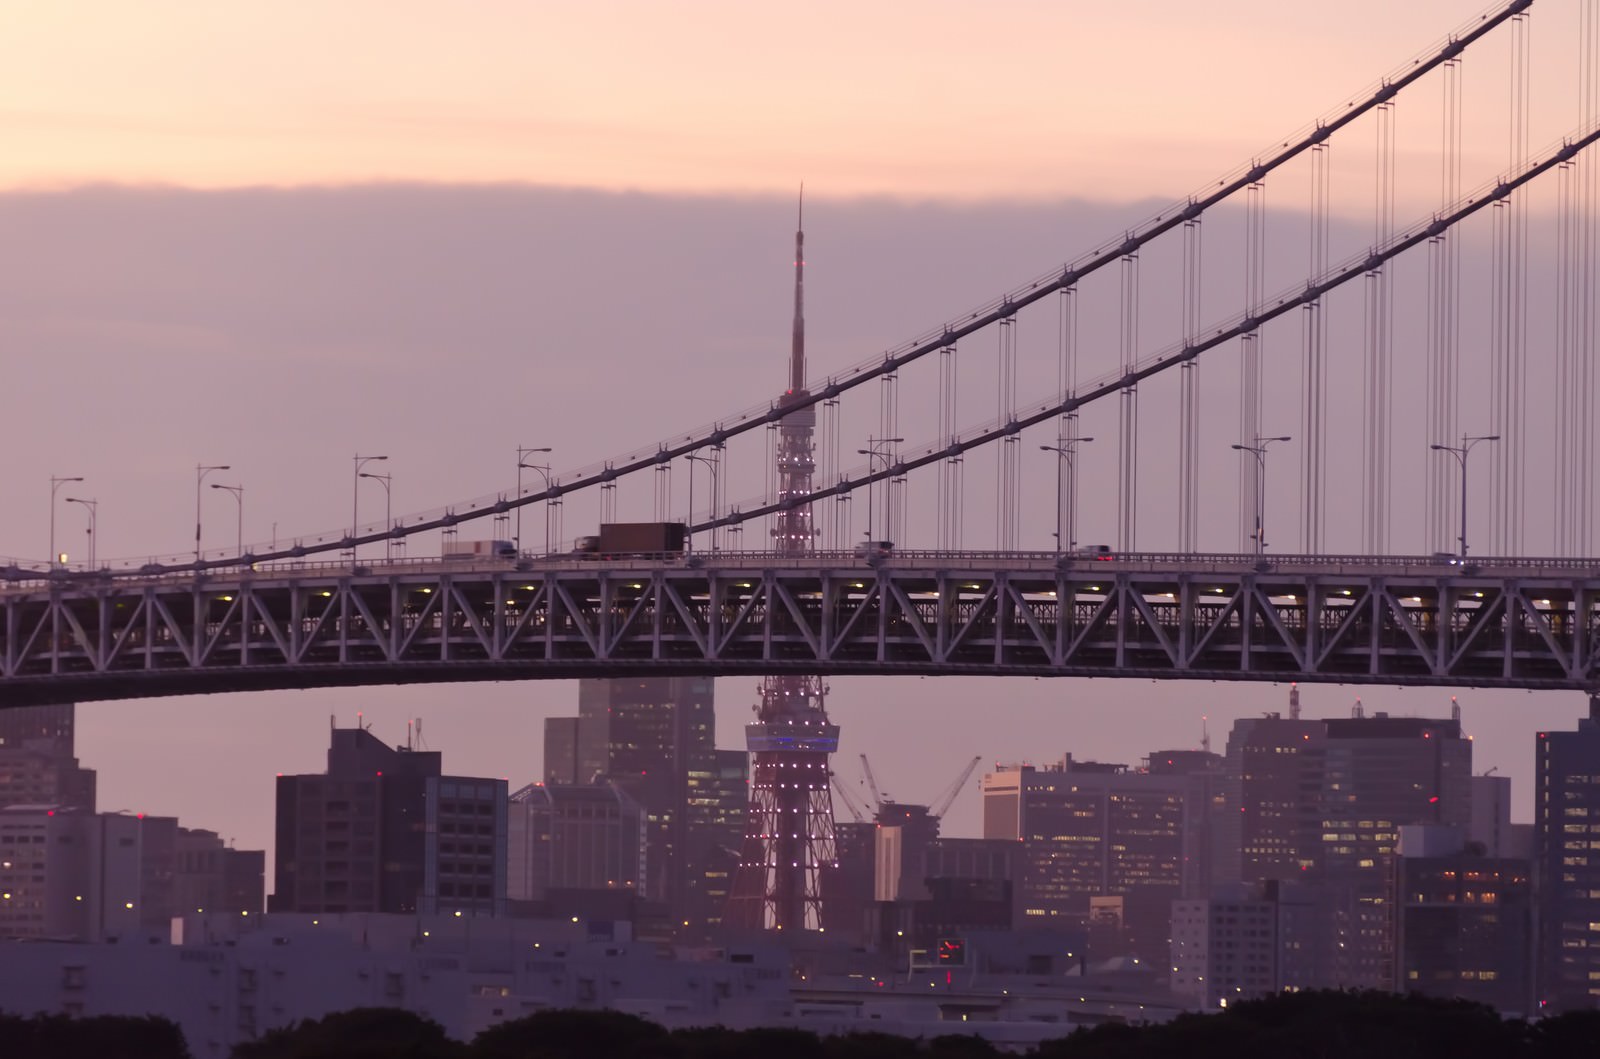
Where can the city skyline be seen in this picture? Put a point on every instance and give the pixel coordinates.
(320, 312)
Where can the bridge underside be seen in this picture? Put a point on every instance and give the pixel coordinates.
(304, 629)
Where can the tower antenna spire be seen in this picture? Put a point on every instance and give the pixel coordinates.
(789, 839)
(797, 349)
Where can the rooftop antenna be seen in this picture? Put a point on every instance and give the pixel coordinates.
(409, 744)
(1205, 734)
(1455, 709)
(1358, 711)
(1294, 701)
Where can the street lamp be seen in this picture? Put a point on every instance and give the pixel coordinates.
(385, 480)
(1259, 451)
(1460, 453)
(712, 463)
(543, 471)
(200, 473)
(1066, 454)
(56, 482)
(90, 506)
(522, 454)
(238, 496)
(875, 450)
(355, 498)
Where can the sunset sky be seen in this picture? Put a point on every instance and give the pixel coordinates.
(941, 99)
(272, 234)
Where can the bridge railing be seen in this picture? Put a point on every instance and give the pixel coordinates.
(753, 562)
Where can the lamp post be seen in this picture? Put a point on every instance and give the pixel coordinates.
(1066, 450)
(1460, 452)
(238, 497)
(355, 498)
(523, 453)
(875, 450)
(387, 481)
(56, 482)
(92, 507)
(711, 463)
(200, 473)
(1259, 451)
(543, 471)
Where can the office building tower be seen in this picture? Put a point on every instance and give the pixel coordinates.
(1323, 801)
(717, 798)
(847, 888)
(563, 837)
(561, 751)
(1225, 947)
(648, 735)
(1463, 920)
(51, 726)
(37, 766)
(903, 835)
(384, 830)
(1567, 864)
(1247, 940)
(1091, 830)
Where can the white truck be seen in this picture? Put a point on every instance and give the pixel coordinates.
(479, 550)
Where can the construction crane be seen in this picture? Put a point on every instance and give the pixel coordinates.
(947, 798)
(940, 804)
(851, 802)
(872, 783)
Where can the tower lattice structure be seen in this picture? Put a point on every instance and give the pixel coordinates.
(788, 840)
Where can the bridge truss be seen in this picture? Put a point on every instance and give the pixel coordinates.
(1517, 624)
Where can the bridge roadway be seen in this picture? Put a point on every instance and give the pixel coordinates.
(1512, 623)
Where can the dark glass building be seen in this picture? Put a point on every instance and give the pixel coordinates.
(1567, 864)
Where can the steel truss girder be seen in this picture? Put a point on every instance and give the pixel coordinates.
(127, 640)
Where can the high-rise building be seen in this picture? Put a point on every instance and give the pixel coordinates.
(33, 725)
(1567, 864)
(1323, 800)
(1463, 920)
(847, 888)
(789, 834)
(1247, 940)
(561, 751)
(648, 735)
(718, 795)
(384, 830)
(1090, 830)
(584, 837)
(37, 766)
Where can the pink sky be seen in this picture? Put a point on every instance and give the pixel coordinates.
(939, 99)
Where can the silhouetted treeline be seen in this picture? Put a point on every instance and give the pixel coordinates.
(1290, 1026)
(102, 1037)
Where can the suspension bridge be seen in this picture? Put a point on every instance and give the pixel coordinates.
(1478, 314)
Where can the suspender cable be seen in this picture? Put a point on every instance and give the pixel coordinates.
(1189, 397)
(1128, 419)
(1378, 373)
(1314, 365)
(1255, 245)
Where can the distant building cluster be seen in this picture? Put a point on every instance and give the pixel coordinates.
(1355, 852)
(68, 872)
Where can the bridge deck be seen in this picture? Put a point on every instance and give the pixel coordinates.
(1394, 620)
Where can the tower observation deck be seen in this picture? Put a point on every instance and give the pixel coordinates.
(788, 839)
